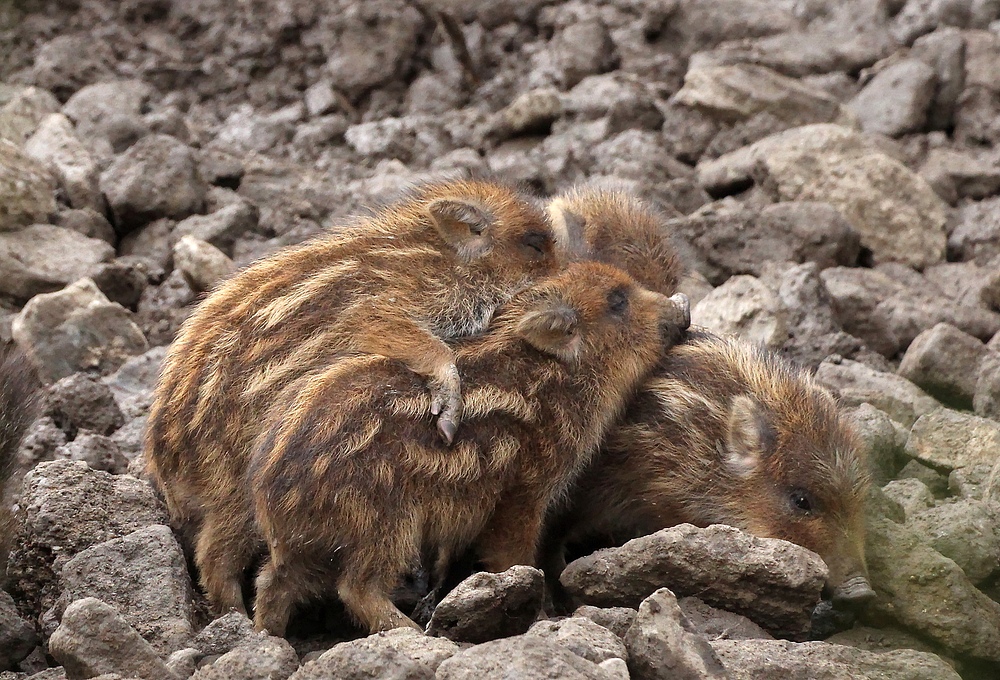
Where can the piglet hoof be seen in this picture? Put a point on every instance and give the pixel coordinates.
(683, 305)
(446, 403)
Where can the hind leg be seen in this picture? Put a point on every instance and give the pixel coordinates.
(223, 551)
(512, 534)
(279, 588)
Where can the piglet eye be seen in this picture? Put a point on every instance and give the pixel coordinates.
(618, 301)
(801, 501)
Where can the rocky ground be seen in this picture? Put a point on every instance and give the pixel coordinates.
(831, 169)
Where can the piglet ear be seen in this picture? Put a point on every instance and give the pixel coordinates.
(464, 225)
(750, 437)
(569, 230)
(551, 327)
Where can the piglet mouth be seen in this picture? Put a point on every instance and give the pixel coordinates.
(675, 318)
(853, 593)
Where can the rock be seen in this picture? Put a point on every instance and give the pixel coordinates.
(729, 238)
(90, 223)
(94, 639)
(956, 175)
(913, 311)
(718, 623)
(581, 49)
(66, 63)
(527, 657)
(929, 594)
(969, 482)
(626, 101)
(245, 130)
(944, 362)
(936, 482)
(163, 308)
(660, 646)
(110, 113)
(67, 507)
(964, 531)
(488, 606)
(736, 92)
(897, 99)
(320, 98)
(122, 280)
(42, 258)
(986, 399)
(948, 439)
(582, 637)
(203, 265)
(97, 451)
(156, 177)
(616, 619)
(132, 385)
(26, 189)
(976, 236)
(882, 441)
(81, 401)
(399, 653)
(184, 662)
(892, 208)
(270, 658)
(56, 145)
(944, 51)
(17, 636)
(857, 383)
(912, 494)
(144, 577)
(530, 113)
(751, 659)
(225, 634)
(77, 329)
(856, 292)
(636, 155)
(222, 227)
(745, 307)
(772, 582)
(19, 117)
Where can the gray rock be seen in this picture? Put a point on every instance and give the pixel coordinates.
(944, 51)
(531, 112)
(736, 92)
(884, 639)
(156, 177)
(122, 280)
(729, 238)
(929, 594)
(524, 657)
(77, 329)
(26, 189)
(97, 451)
(976, 236)
(68, 507)
(616, 619)
(964, 531)
(986, 399)
(581, 49)
(897, 99)
(320, 98)
(203, 265)
(56, 145)
(912, 495)
(626, 102)
(918, 18)
(142, 575)
(718, 623)
(90, 223)
(132, 385)
(909, 313)
(772, 582)
(42, 258)
(17, 636)
(270, 658)
(857, 383)
(944, 362)
(245, 130)
(163, 308)
(81, 401)
(883, 442)
(103, 110)
(745, 307)
(222, 227)
(856, 292)
(751, 659)
(488, 606)
(67, 62)
(969, 482)
(636, 155)
(184, 662)
(949, 439)
(399, 653)
(660, 645)
(936, 482)
(94, 639)
(582, 636)
(897, 215)
(956, 174)
(20, 116)
(225, 634)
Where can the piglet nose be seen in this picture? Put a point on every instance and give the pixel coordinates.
(853, 593)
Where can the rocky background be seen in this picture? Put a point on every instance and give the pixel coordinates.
(831, 169)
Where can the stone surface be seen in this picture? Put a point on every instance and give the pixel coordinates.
(751, 659)
(857, 383)
(912, 495)
(81, 401)
(94, 639)
(97, 451)
(772, 582)
(203, 265)
(527, 657)
(883, 442)
(226, 633)
(897, 99)
(144, 577)
(976, 236)
(222, 227)
(948, 439)
(986, 399)
(42, 258)
(56, 145)
(660, 646)
(616, 619)
(488, 606)
(270, 658)
(718, 623)
(17, 636)
(132, 385)
(21, 114)
(955, 175)
(582, 636)
(400, 653)
(745, 307)
(77, 329)
(944, 362)
(26, 189)
(964, 531)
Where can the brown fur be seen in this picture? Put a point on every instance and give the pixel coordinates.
(351, 485)
(433, 267)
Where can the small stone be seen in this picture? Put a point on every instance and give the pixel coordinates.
(944, 51)
(718, 623)
(17, 636)
(912, 494)
(56, 144)
(956, 174)
(122, 280)
(944, 362)
(976, 236)
(530, 113)
(132, 385)
(20, 116)
(90, 223)
(42, 258)
(94, 639)
(964, 531)
(616, 619)
(222, 227)
(320, 98)
(949, 439)
(986, 400)
(268, 659)
(27, 189)
(882, 441)
(203, 265)
(745, 307)
(97, 451)
(81, 401)
(583, 637)
(857, 383)
(110, 111)
(184, 662)
(488, 606)
(523, 657)
(897, 99)
(399, 653)
(661, 646)
(225, 634)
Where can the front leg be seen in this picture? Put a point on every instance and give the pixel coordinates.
(511, 536)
